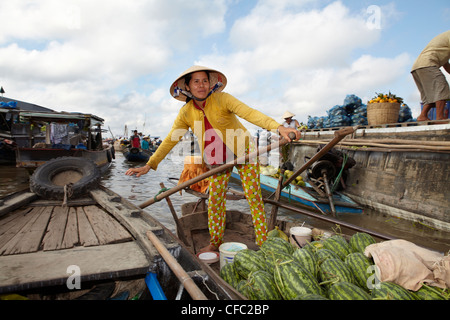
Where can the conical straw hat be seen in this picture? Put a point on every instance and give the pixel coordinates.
(287, 114)
(178, 87)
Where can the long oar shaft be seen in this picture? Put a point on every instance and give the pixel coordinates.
(213, 171)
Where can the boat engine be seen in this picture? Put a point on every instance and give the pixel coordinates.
(333, 165)
(321, 167)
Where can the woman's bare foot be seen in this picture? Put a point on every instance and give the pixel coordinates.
(420, 118)
(209, 248)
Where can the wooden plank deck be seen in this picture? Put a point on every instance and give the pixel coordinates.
(49, 228)
(30, 270)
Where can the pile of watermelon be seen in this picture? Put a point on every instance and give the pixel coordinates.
(328, 269)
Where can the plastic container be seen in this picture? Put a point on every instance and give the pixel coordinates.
(300, 236)
(228, 250)
(209, 257)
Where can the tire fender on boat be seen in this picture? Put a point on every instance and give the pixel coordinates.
(48, 180)
(109, 155)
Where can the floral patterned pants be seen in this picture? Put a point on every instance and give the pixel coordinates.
(249, 174)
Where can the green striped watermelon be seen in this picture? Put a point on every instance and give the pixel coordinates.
(347, 291)
(272, 257)
(314, 246)
(293, 280)
(247, 261)
(261, 286)
(338, 237)
(339, 245)
(358, 265)
(360, 240)
(323, 254)
(392, 291)
(277, 244)
(242, 287)
(230, 275)
(306, 259)
(430, 293)
(335, 270)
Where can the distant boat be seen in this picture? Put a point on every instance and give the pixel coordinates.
(44, 135)
(136, 154)
(307, 196)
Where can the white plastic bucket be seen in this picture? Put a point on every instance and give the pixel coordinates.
(300, 235)
(228, 250)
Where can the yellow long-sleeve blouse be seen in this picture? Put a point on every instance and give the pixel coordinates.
(222, 111)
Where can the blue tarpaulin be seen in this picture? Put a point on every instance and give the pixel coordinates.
(10, 104)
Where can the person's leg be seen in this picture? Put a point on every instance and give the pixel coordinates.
(419, 78)
(249, 174)
(424, 114)
(440, 105)
(434, 91)
(217, 209)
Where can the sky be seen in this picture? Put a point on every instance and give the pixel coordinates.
(117, 59)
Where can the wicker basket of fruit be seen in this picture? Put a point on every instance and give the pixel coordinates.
(383, 108)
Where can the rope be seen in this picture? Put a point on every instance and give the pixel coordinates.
(204, 282)
(288, 187)
(338, 178)
(160, 191)
(68, 192)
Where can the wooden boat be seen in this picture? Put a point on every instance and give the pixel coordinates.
(308, 196)
(193, 225)
(400, 168)
(136, 154)
(101, 242)
(44, 135)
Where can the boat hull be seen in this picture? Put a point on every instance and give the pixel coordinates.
(400, 171)
(31, 158)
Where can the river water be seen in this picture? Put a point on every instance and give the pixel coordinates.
(139, 190)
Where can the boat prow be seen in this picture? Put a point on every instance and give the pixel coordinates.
(98, 239)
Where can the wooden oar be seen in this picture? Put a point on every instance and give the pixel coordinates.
(185, 279)
(175, 217)
(216, 170)
(274, 211)
(338, 136)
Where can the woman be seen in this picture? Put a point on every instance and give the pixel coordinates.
(211, 114)
(288, 121)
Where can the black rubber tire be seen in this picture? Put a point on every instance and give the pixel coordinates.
(41, 182)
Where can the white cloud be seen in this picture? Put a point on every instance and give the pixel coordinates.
(304, 39)
(314, 92)
(117, 59)
(75, 55)
(301, 60)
